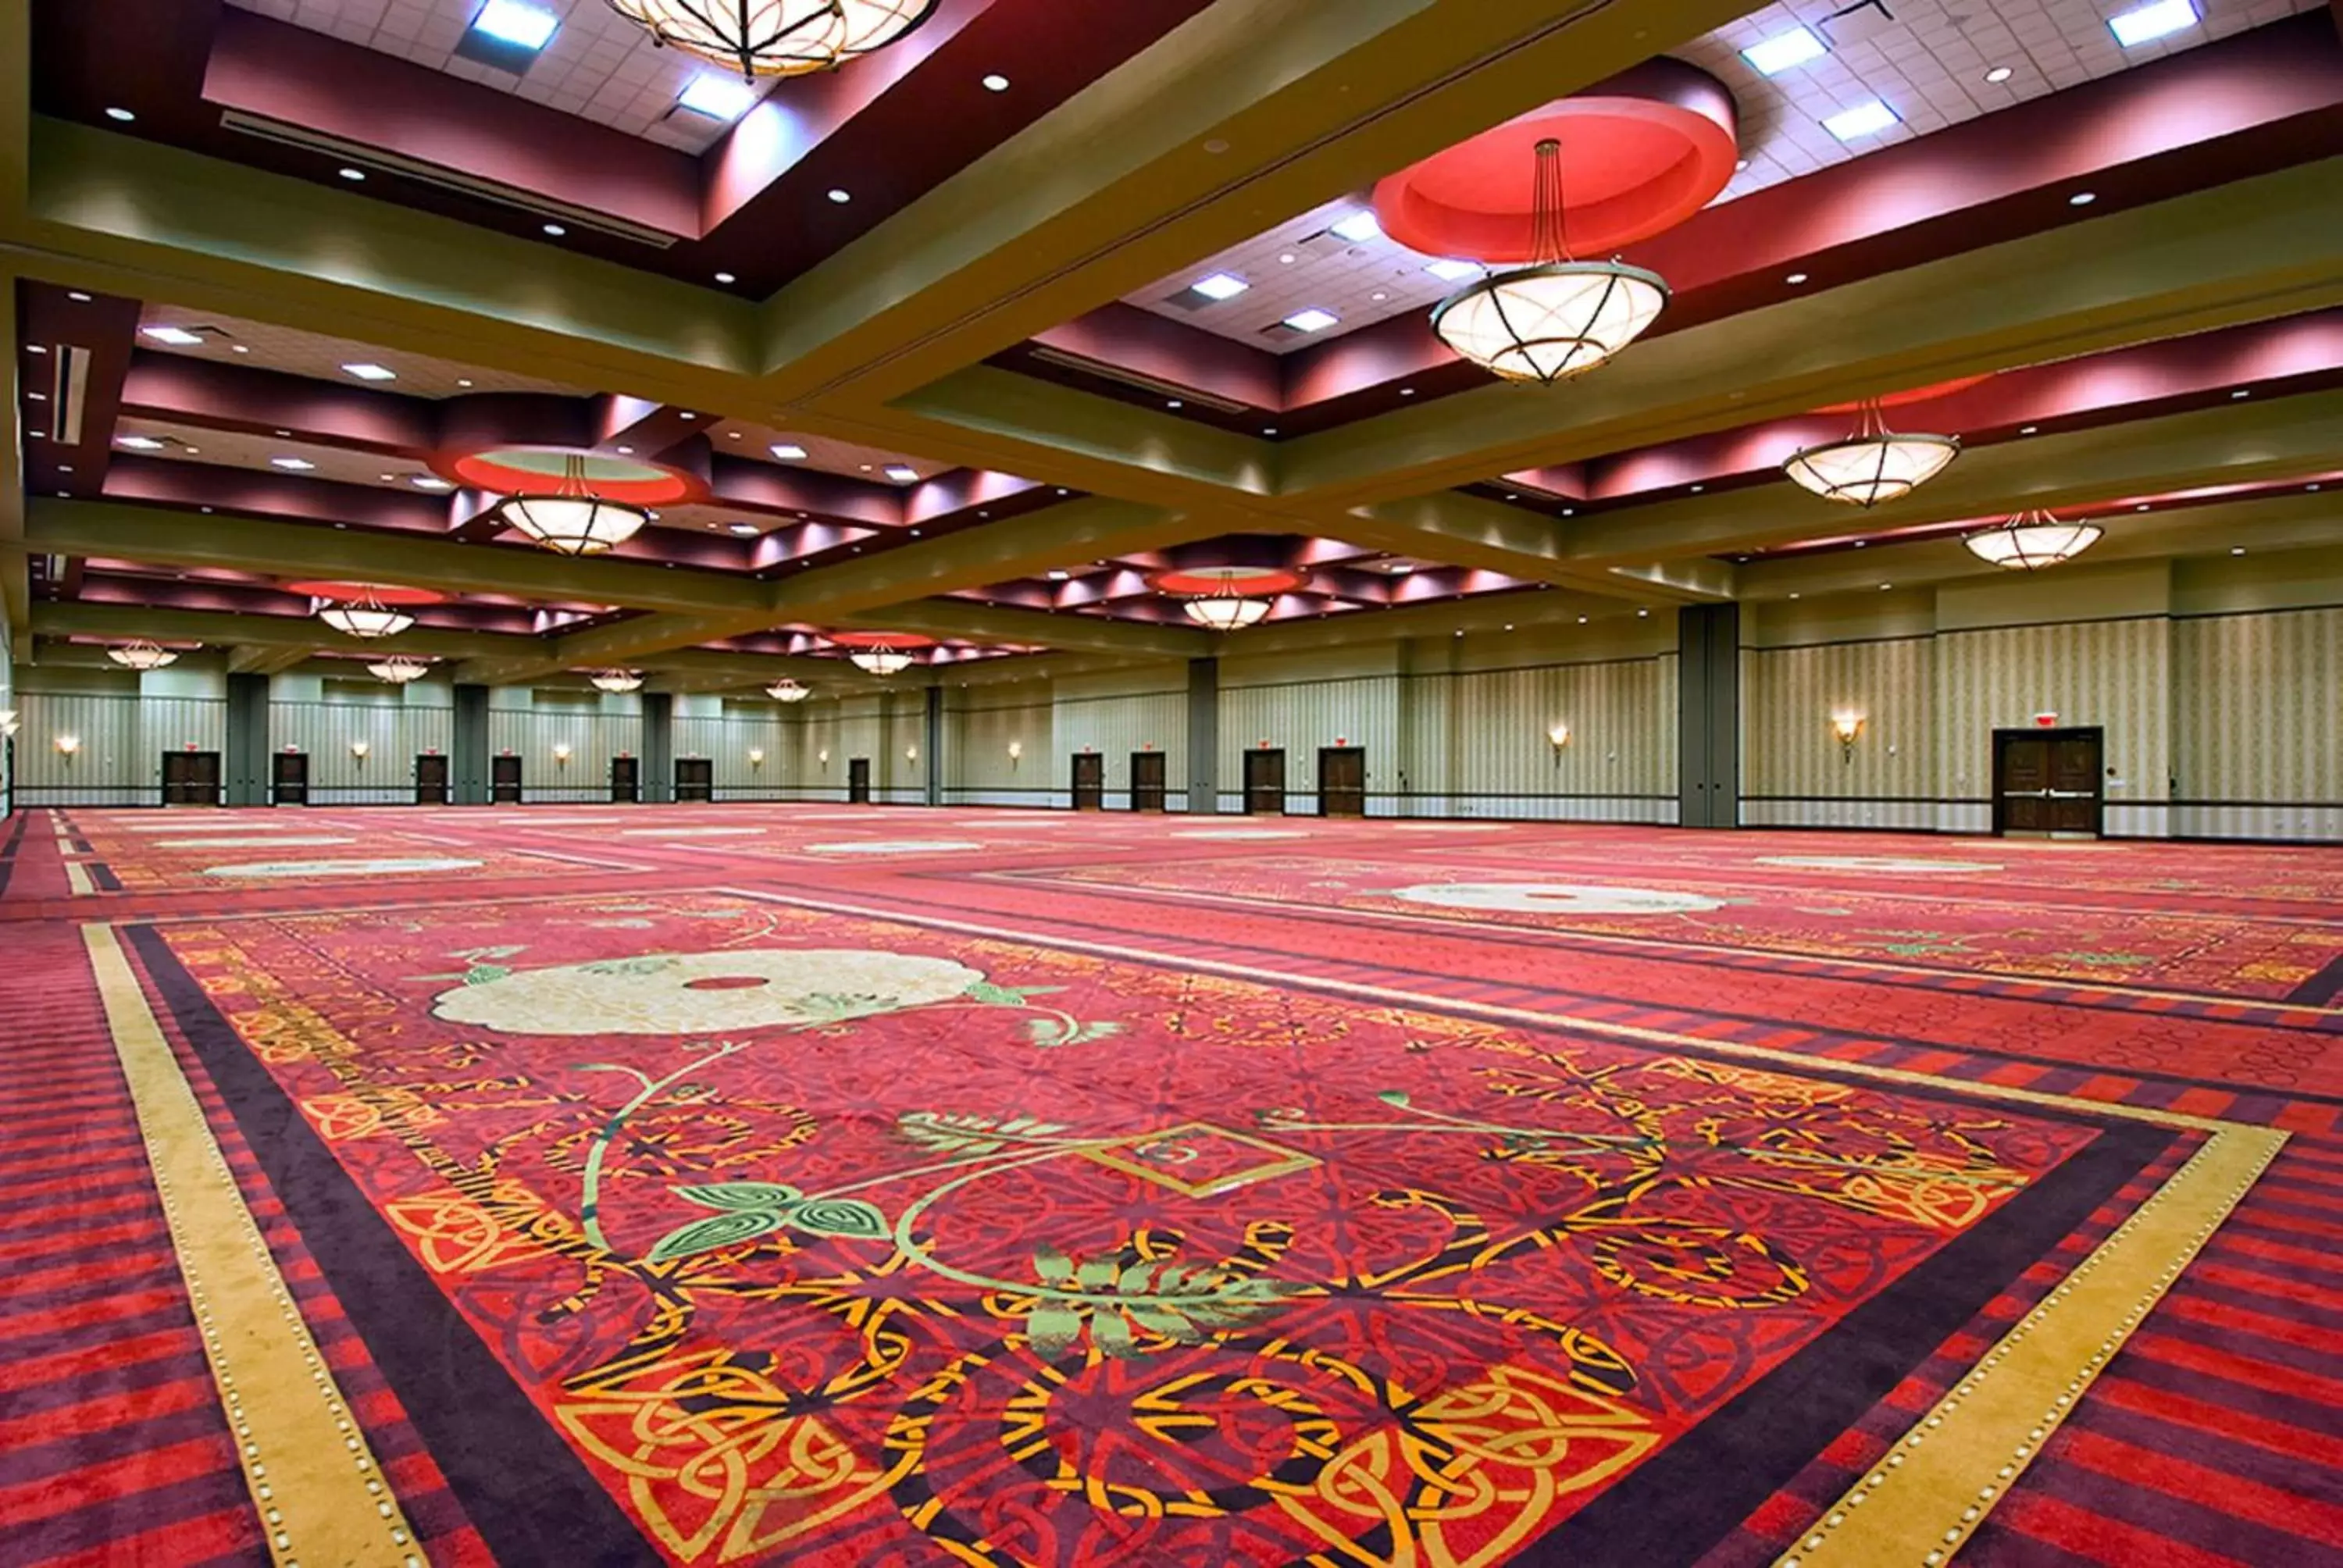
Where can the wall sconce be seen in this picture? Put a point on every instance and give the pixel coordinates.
(561, 756)
(1557, 736)
(358, 750)
(756, 757)
(911, 754)
(823, 756)
(1846, 727)
(1016, 750)
(67, 745)
(7, 724)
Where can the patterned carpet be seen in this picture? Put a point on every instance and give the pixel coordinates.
(826, 1185)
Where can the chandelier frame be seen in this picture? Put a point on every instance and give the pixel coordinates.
(777, 38)
(1880, 481)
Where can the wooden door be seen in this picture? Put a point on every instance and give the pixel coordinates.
(695, 778)
(430, 779)
(2048, 781)
(1265, 783)
(626, 781)
(1089, 782)
(857, 780)
(503, 780)
(191, 778)
(1341, 781)
(1147, 782)
(288, 783)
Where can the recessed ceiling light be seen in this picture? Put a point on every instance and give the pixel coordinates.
(996, 82)
(1175, 403)
(37, 397)
(463, 381)
(1286, 257)
(1058, 574)
(1269, 429)
(1645, 613)
(64, 467)
(2146, 24)
(1407, 391)
(1795, 279)
(430, 482)
(297, 465)
(140, 443)
(901, 473)
(78, 297)
(1998, 74)
(556, 230)
(719, 97)
(2236, 549)
(37, 349)
(2141, 507)
(745, 529)
(176, 336)
(2082, 198)
(1311, 319)
(1221, 285)
(726, 278)
(2242, 392)
(239, 348)
(354, 176)
(2027, 429)
(786, 451)
(1452, 271)
(1359, 227)
(510, 21)
(367, 371)
(1783, 50)
(1863, 120)
(626, 451)
(686, 413)
(124, 115)
(841, 196)
(1379, 295)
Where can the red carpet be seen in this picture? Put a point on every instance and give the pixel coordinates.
(911, 1186)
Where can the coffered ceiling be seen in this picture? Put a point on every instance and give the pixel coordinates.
(2117, 275)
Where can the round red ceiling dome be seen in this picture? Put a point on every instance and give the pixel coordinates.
(898, 640)
(1640, 153)
(354, 593)
(540, 470)
(1245, 582)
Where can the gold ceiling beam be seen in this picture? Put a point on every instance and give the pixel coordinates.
(1457, 529)
(2247, 442)
(2297, 521)
(1001, 624)
(2249, 251)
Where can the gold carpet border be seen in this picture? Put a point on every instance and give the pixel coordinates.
(1944, 1476)
(315, 1482)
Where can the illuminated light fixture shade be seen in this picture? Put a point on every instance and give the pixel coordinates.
(2032, 541)
(141, 655)
(776, 37)
(398, 670)
(1874, 465)
(573, 520)
(786, 690)
(1226, 612)
(880, 660)
(1557, 317)
(369, 618)
(618, 681)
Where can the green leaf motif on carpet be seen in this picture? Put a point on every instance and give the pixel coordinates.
(718, 1230)
(739, 1194)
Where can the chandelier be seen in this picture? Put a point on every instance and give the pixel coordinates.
(1226, 612)
(398, 668)
(618, 681)
(879, 662)
(2033, 539)
(368, 617)
(141, 655)
(1557, 317)
(573, 519)
(787, 690)
(776, 37)
(1874, 465)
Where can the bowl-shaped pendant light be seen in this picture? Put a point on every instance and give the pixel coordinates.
(141, 655)
(398, 670)
(1557, 317)
(366, 617)
(2031, 540)
(787, 690)
(776, 37)
(572, 519)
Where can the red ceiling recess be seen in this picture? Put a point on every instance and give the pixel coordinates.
(381, 593)
(1640, 153)
(486, 471)
(1935, 389)
(883, 640)
(1258, 582)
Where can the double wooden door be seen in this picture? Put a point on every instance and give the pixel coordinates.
(191, 778)
(288, 778)
(430, 779)
(857, 780)
(695, 778)
(1089, 782)
(626, 781)
(1265, 783)
(1341, 781)
(1147, 782)
(503, 780)
(2048, 781)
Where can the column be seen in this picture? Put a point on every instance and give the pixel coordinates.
(1203, 735)
(1708, 715)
